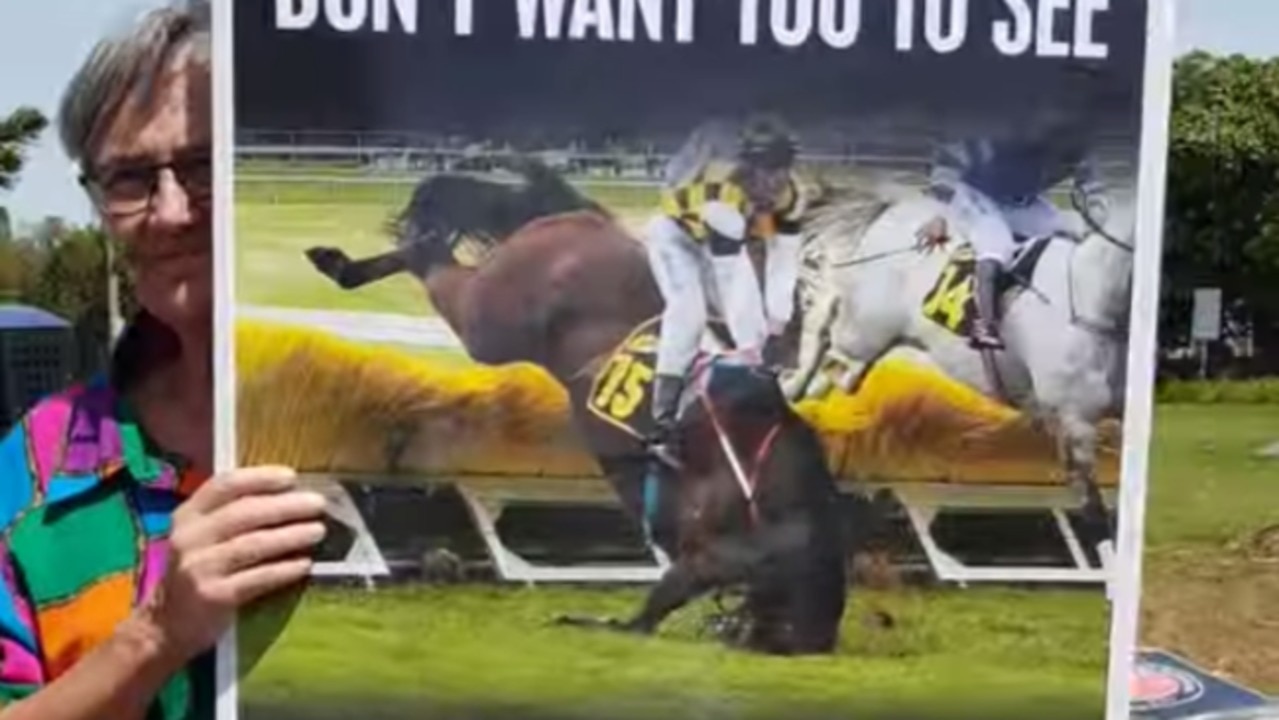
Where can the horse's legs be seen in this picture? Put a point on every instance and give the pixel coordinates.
(857, 337)
(350, 274)
(796, 601)
(722, 563)
(851, 358)
(680, 586)
(1077, 443)
(812, 344)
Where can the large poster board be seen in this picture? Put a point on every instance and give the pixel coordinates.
(759, 276)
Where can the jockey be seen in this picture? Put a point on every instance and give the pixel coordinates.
(997, 189)
(721, 192)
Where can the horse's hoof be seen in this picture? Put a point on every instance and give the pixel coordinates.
(326, 259)
(792, 385)
(790, 389)
(571, 620)
(589, 622)
(729, 632)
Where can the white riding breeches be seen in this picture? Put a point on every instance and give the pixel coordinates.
(692, 280)
(992, 226)
(781, 274)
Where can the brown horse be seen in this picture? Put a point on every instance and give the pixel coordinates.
(752, 502)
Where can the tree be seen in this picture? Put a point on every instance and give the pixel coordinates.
(1222, 224)
(64, 270)
(48, 233)
(18, 131)
(72, 279)
(15, 269)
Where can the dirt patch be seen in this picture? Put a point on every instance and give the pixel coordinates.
(1218, 609)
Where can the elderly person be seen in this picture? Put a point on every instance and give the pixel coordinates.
(119, 565)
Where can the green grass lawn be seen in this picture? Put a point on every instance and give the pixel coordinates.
(1207, 488)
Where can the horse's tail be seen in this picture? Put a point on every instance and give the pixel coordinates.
(550, 193)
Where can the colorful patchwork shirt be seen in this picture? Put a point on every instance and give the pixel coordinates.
(85, 503)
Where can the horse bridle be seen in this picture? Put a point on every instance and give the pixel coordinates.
(1096, 227)
(1075, 317)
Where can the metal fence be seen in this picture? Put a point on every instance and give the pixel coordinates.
(290, 157)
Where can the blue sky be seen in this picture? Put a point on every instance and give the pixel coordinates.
(42, 42)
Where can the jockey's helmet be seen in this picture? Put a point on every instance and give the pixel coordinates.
(767, 142)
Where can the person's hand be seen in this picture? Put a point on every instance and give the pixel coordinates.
(241, 536)
(932, 235)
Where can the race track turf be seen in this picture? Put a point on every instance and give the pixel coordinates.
(476, 650)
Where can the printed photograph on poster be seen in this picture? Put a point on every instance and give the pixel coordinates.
(763, 358)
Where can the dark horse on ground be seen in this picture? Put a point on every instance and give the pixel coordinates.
(562, 287)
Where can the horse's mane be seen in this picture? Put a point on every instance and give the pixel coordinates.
(550, 193)
(838, 216)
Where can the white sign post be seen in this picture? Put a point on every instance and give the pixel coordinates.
(1205, 323)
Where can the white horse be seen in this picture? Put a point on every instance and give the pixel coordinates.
(1064, 325)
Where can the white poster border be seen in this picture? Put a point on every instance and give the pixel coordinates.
(1139, 389)
(224, 457)
(1142, 353)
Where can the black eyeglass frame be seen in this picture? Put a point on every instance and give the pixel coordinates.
(186, 167)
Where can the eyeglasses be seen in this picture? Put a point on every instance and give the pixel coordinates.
(129, 187)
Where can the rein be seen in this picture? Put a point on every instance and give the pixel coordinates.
(747, 482)
(849, 262)
(1115, 331)
(1096, 227)
(1112, 331)
(592, 365)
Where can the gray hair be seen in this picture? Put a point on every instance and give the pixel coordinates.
(125, 65)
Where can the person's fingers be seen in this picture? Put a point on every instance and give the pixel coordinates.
(255, 582)
(263, 546)
(252, 513)
(247, 514)
(222, 489)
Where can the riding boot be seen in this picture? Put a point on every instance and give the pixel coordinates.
(774, 349)
(666, 395)
(985, 333)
